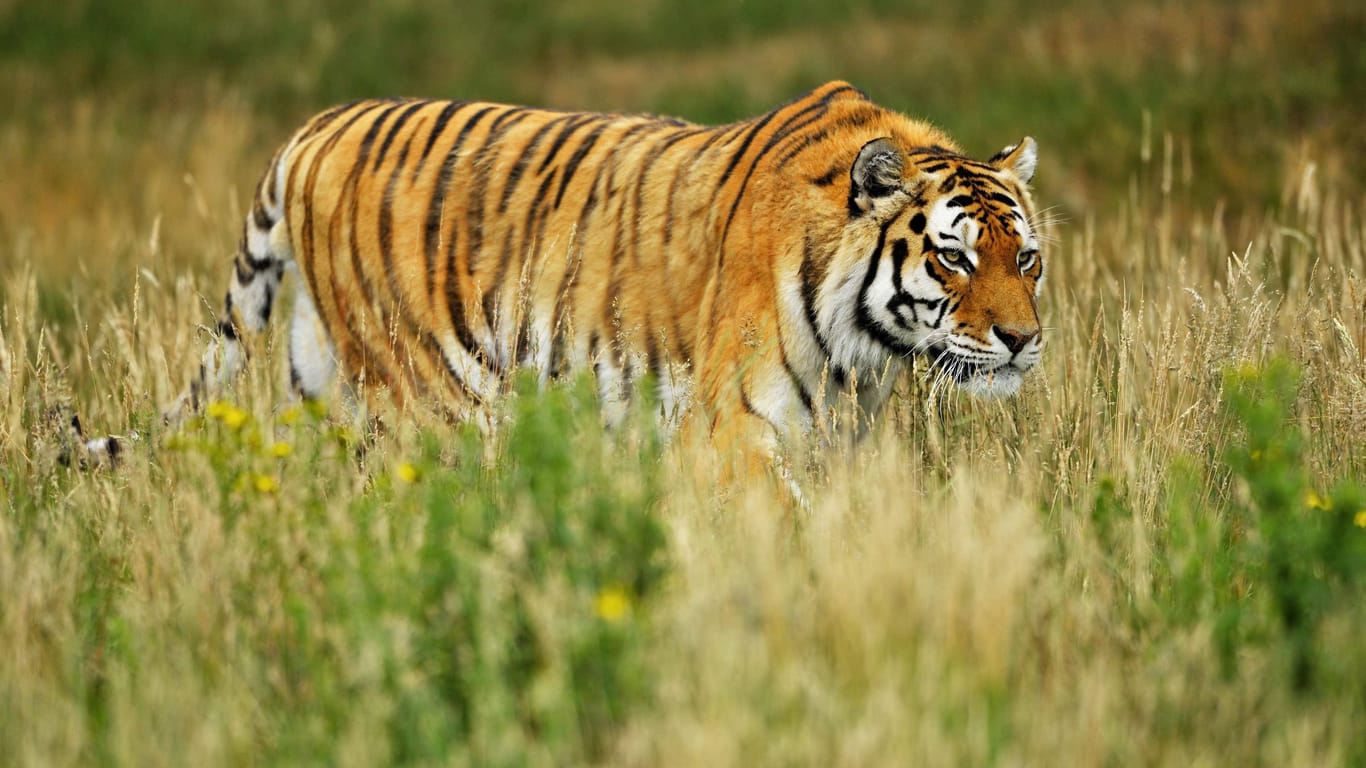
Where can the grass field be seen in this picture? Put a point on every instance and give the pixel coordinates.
(1155, 555)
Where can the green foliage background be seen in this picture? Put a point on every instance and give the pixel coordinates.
(1235, 80)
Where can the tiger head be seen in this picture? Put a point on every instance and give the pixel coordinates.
(957, 268)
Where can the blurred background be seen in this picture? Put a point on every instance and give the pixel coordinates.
(122, 115)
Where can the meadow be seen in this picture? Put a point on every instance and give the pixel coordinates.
(1156, 554)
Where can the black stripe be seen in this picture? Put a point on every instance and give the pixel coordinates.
(983, 169)
(308, 236)
(679, 173)
(296, 380)
(577, 157)
(271, 287)
(685, 345)
(492, 291)
(654, 362)
(843, 123)
(608, 167)
(530, 238)
(932, 150)
(522, 345)
(431, 246)
(865, 321)
(862, 116)
(514, 175)
(438, 128)
(248, 265)
(557, 353)
(827, 178)
(319, 123)
(638, 194)
(386, 226)
(226, 329)
(792, 375)
(899, 253)
(801, 144)
(943, 307)
(272, 180)
(748, 405)
(455, 307)
(812, 273)
(509, 117)
(563, 136)
(363, 153)
(932, 265)
(570, 272)
(744, 147)
(538, 199)
(261, 217)
(575, 257)
(393, 131)
(613, 287)
(482, 165)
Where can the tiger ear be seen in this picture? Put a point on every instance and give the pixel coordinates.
(876, 173)
(1020, 159)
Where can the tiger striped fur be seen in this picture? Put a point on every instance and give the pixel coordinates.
(757, 272)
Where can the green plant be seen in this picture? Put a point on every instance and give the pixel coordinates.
(1301, 551)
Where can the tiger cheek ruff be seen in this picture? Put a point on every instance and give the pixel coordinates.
(756, 273)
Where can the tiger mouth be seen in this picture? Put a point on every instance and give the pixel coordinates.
(957, 367)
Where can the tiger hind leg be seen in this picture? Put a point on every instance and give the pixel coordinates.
(312, 360)
(257, 271)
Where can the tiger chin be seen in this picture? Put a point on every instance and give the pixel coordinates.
(758, 273)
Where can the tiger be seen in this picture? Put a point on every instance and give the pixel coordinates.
(754, 273)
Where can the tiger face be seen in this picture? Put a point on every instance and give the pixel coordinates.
(957, 266)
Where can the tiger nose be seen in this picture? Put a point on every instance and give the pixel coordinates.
(1014, 338)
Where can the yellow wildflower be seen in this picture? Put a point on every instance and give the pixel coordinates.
(291, 415)
(281, 449)
(227, 413)
(612, 604)
(1360, 519)
(1315, 501)
(265, 484)
(408, 473)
